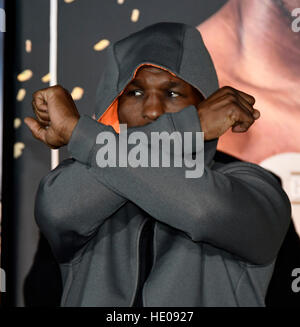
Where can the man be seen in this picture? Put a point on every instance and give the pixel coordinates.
(149, 236)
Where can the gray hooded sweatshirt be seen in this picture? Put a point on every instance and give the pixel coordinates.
(149, 236)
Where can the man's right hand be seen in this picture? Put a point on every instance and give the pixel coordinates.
(56, 116)
(224, 109)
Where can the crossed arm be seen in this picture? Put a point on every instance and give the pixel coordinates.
(240, 207)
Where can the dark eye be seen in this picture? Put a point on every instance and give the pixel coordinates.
(135, 93)
(173, 94)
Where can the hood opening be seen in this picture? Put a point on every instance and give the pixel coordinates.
(110, 116)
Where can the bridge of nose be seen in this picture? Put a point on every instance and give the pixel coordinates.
(153, 106)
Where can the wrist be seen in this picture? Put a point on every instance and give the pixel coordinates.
(69, 128)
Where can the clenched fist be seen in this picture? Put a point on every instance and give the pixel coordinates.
(56, 116)
(224, 109)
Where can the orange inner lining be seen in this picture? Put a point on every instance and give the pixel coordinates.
(110, 116)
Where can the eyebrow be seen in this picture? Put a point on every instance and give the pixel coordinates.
(167, 84)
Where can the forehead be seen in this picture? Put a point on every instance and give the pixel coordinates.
(151, 69)
(147, 73)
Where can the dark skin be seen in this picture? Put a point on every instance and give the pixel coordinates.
(152, 93)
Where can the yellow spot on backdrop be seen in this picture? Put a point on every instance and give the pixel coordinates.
(25, 75)
(21, 94)
(46, 78)
(135, 15)
(28, 46)
(17, 123)
(101, 45)
(18, 149)
(120, 2)
(68, 1)
(77, 93)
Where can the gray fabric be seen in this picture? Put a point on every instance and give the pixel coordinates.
(216, 237)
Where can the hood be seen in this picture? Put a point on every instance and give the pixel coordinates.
(175, 47)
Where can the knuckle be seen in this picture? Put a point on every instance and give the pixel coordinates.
(34, 134)
(58, 87)
(248, 119)
(35, 94)
(54, 89)
(231, 98)
(228, 89)
(252, 97)
(251, 109)
(232, 112)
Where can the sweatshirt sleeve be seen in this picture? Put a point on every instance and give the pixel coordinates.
(240, 207)
(70, 205)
